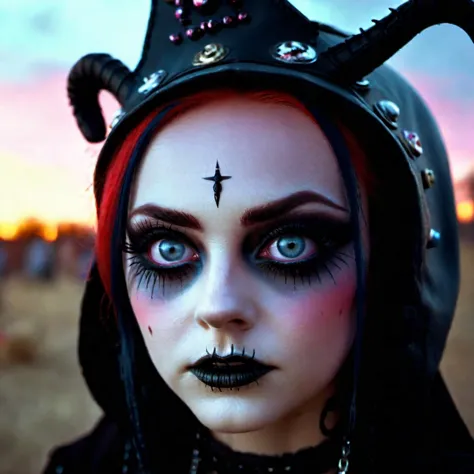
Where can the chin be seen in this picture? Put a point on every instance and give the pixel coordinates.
(236, 412)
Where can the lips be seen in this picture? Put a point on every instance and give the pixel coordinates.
(229, 372)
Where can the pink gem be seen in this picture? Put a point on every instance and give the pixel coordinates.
(176, 38)
(179, 3)
(243, 17)
(203, 26)
(228, 20)
(194, 33)
(414, 142)
(181, 16)
(199, 3)
(213, 25)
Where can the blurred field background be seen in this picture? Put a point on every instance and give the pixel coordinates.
(44, 400)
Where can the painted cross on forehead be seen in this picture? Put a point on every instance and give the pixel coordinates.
(217, 178)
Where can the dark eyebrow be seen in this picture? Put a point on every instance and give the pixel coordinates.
(170, 216)
(275, 209)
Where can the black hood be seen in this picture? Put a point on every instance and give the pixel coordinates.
(269, 44)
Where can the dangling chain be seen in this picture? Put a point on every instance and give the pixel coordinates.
(196, 459)
(343, 464)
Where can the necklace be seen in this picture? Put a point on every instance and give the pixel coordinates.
(212, 457)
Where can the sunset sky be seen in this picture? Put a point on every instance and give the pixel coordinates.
(45, 164)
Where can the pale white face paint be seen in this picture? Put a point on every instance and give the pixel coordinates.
(230, 293)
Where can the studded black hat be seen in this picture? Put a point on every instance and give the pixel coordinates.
(191, 45)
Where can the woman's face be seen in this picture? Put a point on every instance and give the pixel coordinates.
(269, 273)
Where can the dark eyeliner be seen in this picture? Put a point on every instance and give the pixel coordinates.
(329, 235)
(140, 237)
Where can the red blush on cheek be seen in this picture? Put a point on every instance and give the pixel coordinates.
(322, 310)
(145, 310)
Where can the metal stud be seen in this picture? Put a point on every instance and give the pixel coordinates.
(152, 82)
(388, 111)
(428, 178)
(294, 52)
(362, 85)
(413, 143)
(116, 118)
(434, 239)
(212, 53)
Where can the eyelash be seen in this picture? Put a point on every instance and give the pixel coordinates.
(141, 237)
(328, 235)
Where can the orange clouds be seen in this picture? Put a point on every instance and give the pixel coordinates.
(46, 166)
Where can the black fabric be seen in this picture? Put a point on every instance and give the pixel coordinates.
(219, 458)
(102, 450)
(99, 452)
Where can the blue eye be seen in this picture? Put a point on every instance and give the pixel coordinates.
(167, 251)
(301, 251)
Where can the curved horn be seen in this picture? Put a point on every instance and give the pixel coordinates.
(87, 78)
(360, 54)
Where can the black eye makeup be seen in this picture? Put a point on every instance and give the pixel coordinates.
(160, 257)
(302, 249)
(296, 250)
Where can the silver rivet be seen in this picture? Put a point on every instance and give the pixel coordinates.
(288, 468)
(428, 178)
(116, 118)
(294, 52)
(413, 143)
(362, 85)
(152, 82)
(434, 239)
(388, 111)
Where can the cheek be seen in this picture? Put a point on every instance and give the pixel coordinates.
(322, 315)
(152, 315)
(144, 308)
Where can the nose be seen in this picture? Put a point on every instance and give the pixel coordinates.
(227, 303)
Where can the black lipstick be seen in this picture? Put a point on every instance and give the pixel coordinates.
(231, 371)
